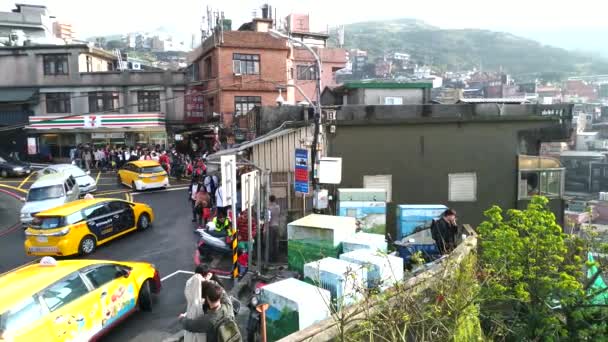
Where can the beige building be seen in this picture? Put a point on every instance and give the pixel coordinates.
(72, 94)
(63, 31)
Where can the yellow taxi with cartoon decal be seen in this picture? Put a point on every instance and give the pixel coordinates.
(72, 300)
(143, 175)
(79, 227)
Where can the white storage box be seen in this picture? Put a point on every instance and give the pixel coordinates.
(383, 270)
(362, 240)
(316, 236)
(345, 281)
(294, 305)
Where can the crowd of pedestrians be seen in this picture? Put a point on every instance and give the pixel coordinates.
(112, 157)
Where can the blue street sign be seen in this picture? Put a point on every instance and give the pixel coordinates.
(301, 171)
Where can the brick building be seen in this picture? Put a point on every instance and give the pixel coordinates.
(235, 71)
(230, 77)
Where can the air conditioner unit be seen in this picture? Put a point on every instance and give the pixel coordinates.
(237, 74)
(216, 114)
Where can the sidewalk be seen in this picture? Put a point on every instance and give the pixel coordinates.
(9, 211)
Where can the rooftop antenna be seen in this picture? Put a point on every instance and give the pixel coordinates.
(222, 28)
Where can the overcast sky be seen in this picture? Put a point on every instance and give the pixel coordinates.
(524, 17)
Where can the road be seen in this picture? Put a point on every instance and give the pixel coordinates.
(169, 245)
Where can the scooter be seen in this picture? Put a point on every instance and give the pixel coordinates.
(208, 244)
(254, 321)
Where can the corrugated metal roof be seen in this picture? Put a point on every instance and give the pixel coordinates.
(252, 143)
(17, 94)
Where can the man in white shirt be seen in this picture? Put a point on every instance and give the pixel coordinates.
(219, 201)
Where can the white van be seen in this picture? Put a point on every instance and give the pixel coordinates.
(49, 192)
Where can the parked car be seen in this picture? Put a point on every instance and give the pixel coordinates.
(48, 192)
(10, 166)
(86, 183)
(73, 300)
(143, 175)
(80, 226)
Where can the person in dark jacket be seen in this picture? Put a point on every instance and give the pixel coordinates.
(220, 306)
(444, 231)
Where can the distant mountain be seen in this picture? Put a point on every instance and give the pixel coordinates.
(468, 48)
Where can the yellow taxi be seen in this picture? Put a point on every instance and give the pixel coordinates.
(80, 226)
(143, 175)
(72, 300)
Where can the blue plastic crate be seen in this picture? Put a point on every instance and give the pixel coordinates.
(429, 251)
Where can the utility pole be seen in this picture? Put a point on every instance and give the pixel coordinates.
(317, 109)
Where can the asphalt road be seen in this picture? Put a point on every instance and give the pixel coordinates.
(169, 245)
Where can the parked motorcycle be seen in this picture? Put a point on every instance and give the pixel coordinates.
(254, 322)
(209, 245)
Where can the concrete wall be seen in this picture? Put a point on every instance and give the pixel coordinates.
(423, 151)
(377, 96)
(267, 118)
(23, 67)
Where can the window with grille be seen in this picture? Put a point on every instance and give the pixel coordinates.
(55, 64)
(243, 104)
(103, 101)
(462, 187)
(307, 72)
(58, 103)
(148, 101)
(246, 64)
(384, 182)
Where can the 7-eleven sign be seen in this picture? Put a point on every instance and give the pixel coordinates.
(92, 121)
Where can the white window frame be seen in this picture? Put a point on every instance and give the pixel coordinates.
(454, 177)
(522, 191)
(394, 100)
(375, 179)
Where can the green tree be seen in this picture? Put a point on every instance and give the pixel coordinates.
(116, 44)
(532, 276)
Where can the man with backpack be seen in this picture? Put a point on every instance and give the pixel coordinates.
(218, 322)
(443, 231)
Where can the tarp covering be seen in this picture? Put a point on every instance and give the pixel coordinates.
(598, 285)
(17, 95)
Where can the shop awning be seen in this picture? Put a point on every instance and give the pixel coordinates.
(118, 122)
(17, 94)
(537, 162)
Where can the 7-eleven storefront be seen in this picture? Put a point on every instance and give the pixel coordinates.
(56, 134)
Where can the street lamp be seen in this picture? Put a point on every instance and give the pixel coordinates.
(317, 117)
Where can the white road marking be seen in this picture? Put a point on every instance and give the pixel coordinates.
(176, 273)
(190, 273)
(170, 189)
